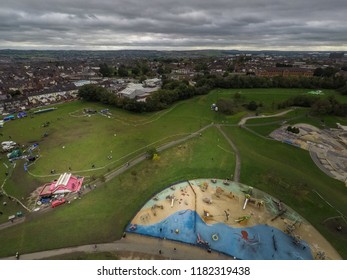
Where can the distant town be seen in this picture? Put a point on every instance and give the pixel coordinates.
(36, 78)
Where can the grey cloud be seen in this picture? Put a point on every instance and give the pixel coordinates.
(180, 24)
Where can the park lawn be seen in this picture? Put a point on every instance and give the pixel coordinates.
(79, 142)
(89, 140)
(268, 97)
(102, 214)
(289, 174)
(11, 208)
(264, 130)
(321, 121)
(82, 142)
(271, 97)
(265, 126)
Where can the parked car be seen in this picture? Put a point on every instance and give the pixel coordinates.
(58, 202)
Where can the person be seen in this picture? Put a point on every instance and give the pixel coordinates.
(17, 255)
(159, 252)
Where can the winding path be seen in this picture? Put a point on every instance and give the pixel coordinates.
(136, 245)
(244, 120)
(237, 171)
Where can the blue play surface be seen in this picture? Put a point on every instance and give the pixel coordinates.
(260, 242)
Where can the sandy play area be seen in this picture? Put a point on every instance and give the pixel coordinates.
(327, 147)
(213, 214)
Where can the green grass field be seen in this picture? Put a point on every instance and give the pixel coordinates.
(265, 126)
(288, 173)
(284, 171)
(112, 206)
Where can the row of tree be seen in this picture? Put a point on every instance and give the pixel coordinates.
(318, 105)
(171, 92)
(137, 70)
(238, 81)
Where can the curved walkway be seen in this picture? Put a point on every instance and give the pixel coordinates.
(244, 120)
(136, 244)
(237, 171)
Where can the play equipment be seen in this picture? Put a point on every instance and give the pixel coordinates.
(245, 237)
(246, 201)
(215, 237)
(207, 200)
(241, 219)
(226, 182)
(279, 214)
(200, 241)
(274, 242)
(219, 192)
(133, 227)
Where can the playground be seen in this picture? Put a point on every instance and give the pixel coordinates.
(327, 147)
(230, 218)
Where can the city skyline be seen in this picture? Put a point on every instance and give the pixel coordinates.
(183, 25)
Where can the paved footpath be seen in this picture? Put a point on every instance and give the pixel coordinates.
(237, 171)
(244, 120)
(135, 243)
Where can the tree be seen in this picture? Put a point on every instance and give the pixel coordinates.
(105, 70)
(135, 71)
(145, 69)
(92, 92)
(321, 107)
(226, 106)
(123, 71)
(160, 70)
(15, 93)
(151, 152)
(252, 106)
(237, 96)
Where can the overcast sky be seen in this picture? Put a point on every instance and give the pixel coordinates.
(178, 24)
